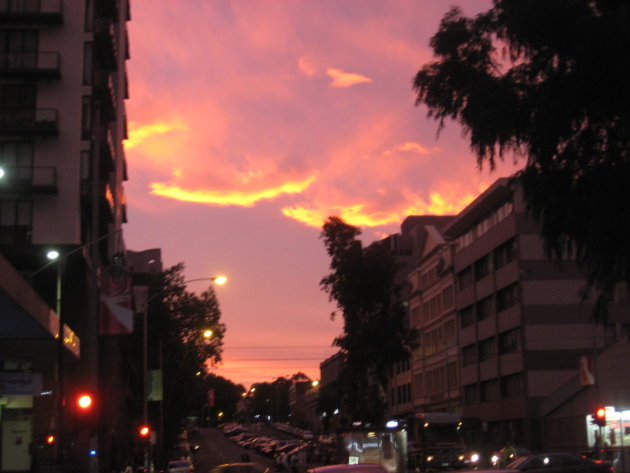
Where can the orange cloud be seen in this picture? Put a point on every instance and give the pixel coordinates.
(230, 197)
(448, 199)
(139, 134)
(345, 79)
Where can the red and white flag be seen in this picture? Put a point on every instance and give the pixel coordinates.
(116, 305)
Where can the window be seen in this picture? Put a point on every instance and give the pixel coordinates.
(469, 355)
(16, 221)
(466, 316)
(17, 159)
(86, 118)
(18, 48)
(505, 254)
(471, 394)
(88, 66)
(484, 308)
(512, 386)
(447, 298)
(486, 349)
(465, 278)
(482, 267)
(508, 341)
(449, 333)
(451, 375)
(490, 390)
(506, 297)
(20, 97)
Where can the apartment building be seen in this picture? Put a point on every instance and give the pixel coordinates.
(407, 247)
(63, 86)
(434, 365)
(522, 324)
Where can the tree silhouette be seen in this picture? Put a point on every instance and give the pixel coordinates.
(547, 82)
(362, 283)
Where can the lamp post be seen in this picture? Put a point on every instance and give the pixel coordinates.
(207, 334)
(54, 256)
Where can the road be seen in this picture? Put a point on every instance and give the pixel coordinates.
(216, 449)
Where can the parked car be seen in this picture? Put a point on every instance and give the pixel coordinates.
(551, 463)
(345, 468)
(246, 467)
(179, 466)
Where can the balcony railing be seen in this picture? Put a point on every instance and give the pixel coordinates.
(105, 93)
(105, 44)
(29, 179)
(21, 65)
(29, 121)
(108, 153)
(31, 11)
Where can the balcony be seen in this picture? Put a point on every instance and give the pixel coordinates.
(105, 94)
(47, 12)
(105, 47)
(108, 153)
(29, 180)
(107, 8)
(105, 199)
(29, 121)
(22, 65)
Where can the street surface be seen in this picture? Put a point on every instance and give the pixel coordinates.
(217, 449)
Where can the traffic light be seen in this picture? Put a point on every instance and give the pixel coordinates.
(599, 416)
(50, 439)
(85, 402)
(144, 431)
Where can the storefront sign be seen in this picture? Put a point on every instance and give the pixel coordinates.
(20, 383)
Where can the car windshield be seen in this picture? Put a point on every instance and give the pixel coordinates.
(516, 464)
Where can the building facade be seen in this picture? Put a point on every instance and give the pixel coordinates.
(63, 86)
(522, 323)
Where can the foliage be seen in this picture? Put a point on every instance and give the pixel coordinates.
(226, 396)
(272, 399)
(547, 81)
(177, 319)
(362, 283)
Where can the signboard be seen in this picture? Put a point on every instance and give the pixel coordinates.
(20, 383)
(156, 391)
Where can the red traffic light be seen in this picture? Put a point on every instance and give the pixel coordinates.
(599, 416)
(144, 430)
(85, 402)
(50, 439)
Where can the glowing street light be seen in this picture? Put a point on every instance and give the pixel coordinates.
(220, 280)
(207, 333)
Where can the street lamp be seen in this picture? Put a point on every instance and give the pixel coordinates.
(207, 334)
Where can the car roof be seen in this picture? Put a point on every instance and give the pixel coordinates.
(346, 468)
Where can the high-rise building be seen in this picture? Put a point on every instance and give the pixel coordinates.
(63, 85)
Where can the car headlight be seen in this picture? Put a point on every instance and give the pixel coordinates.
(430, 458)
(474, 457)
(495, 459)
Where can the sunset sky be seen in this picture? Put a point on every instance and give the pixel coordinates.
(250, 122)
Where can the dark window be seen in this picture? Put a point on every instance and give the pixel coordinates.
(17, 159)
(486, 349)
(465, 278)
(18, 97)
(18, 48)
(86, 118)
(505, 253)
(490, 390)
(471, 394)
(88, 63)
(508, 341)
(512, 386)
(484, 308)
(506, 297)
(469, 355)
(466, 316)
(482, 267)
(16, 221)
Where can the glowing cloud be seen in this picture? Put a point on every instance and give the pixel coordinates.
(308, 66)
(230, 197)
(139, 134)
(345, 79)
